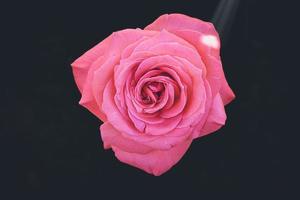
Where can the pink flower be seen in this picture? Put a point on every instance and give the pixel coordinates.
(155, 89)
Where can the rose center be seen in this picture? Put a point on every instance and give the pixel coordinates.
(152, 92)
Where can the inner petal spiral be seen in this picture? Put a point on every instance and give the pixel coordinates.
(152, 92)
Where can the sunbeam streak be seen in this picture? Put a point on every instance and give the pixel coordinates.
(224, 16)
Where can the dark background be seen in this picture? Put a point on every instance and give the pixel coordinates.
(50, 146)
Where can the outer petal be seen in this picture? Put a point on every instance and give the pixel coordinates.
(226, 92)
(215, 120)
(82, 65)
(167, 43)
(83, 71)
(155, 162)
(100, 78)
(114, 116)
(176, 21)
(211, 58)
(111, 137)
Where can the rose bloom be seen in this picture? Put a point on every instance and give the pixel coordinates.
(156, 89)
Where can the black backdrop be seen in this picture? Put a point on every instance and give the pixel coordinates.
(50, 146)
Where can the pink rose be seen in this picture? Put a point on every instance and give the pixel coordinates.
(155, 89)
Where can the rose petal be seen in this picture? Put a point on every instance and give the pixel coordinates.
(158, 125)
(100, 78)
(163, 128)
(129, 49)
(155, 162)
(111, 137)
(87, 99)
(200, 115)
(166, 43)
(178, 72)
(81, 65)
(114, 116)
(83, 69)
(226, 93)
(196, 91)
(171, 22)
(199, 40)
(215, 120)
